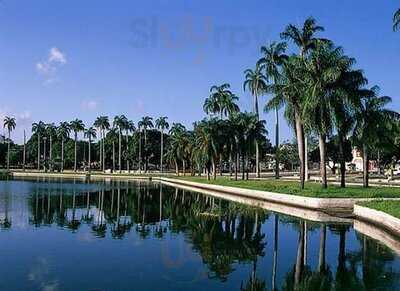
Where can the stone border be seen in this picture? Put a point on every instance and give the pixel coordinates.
(343, 206)
(298, 212)
(379, 218)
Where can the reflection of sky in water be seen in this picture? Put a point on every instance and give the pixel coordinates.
(117, 241)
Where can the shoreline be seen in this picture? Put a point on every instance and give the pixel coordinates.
(324, 210)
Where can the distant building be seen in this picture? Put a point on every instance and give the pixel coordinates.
(357, 163)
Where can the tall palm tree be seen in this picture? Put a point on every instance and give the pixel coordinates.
(396, 20)
(38, 129)
(102, 123)
(90, 133)
(271, 62)
(162, 124)
(51, 132)
(256, 83)
(289, 92)
(324, 69)
(305, 39)
(76, 126)
(371, 117)
(10, 124)
(63, 132)
(120, 123)
(145, 123)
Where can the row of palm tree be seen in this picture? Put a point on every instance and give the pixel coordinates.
(103, 128)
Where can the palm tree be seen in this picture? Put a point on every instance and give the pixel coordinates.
(396, 20)
(221, 101)
(289, 92)
(145, 123)
(63, 132)
(273, 58)
(10, 124)
(162, 124)
(256, 83)
(90, 133)
(120, 123)
(76, 126)
(324, 69)
(206, 144)
(371, 117)
(51, 132)
(102, 124)
(304, 38)
(38, 128)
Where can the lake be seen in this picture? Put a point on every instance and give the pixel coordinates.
(137, 235)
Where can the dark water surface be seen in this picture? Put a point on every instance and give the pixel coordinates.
(116, 235)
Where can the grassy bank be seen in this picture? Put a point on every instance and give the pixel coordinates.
(389, 207)
(311, 189)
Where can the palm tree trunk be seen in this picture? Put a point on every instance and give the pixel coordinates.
(75, 152)
(176, 167)
(89, 154)
(62, 154)
(276, 144)
(306, 170)
(257, 159)
(243, 171)
(322, 155)
(38, 153)
(140, 151)
(275, 258)
(101, 150)
(365, 166)
(342, 161)
(127, 151)
(145, 151)
(24, 153)
(300, 257)
(104, 151)
(8, 150)
(214, 169)
(322, 249)
(184, 167)
(301, 148)
(51, 148)
(236, 165)
(119, 151)
(162, 151)
(113, 157)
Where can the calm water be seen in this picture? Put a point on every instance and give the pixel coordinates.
(66, 235)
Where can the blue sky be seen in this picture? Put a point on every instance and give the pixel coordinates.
(62, 60)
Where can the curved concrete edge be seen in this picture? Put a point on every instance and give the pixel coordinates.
(330, 205)
(374, 231)
(298, 212)
(378, 218)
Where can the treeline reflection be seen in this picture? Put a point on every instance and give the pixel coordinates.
(223, 233)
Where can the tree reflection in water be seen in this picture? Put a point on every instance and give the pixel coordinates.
(224, 234)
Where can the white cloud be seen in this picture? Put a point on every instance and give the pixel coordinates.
(89, 105)
(48, 68)
(56, 56)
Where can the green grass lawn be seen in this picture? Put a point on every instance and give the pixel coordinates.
(311, 189)
(390, 207)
